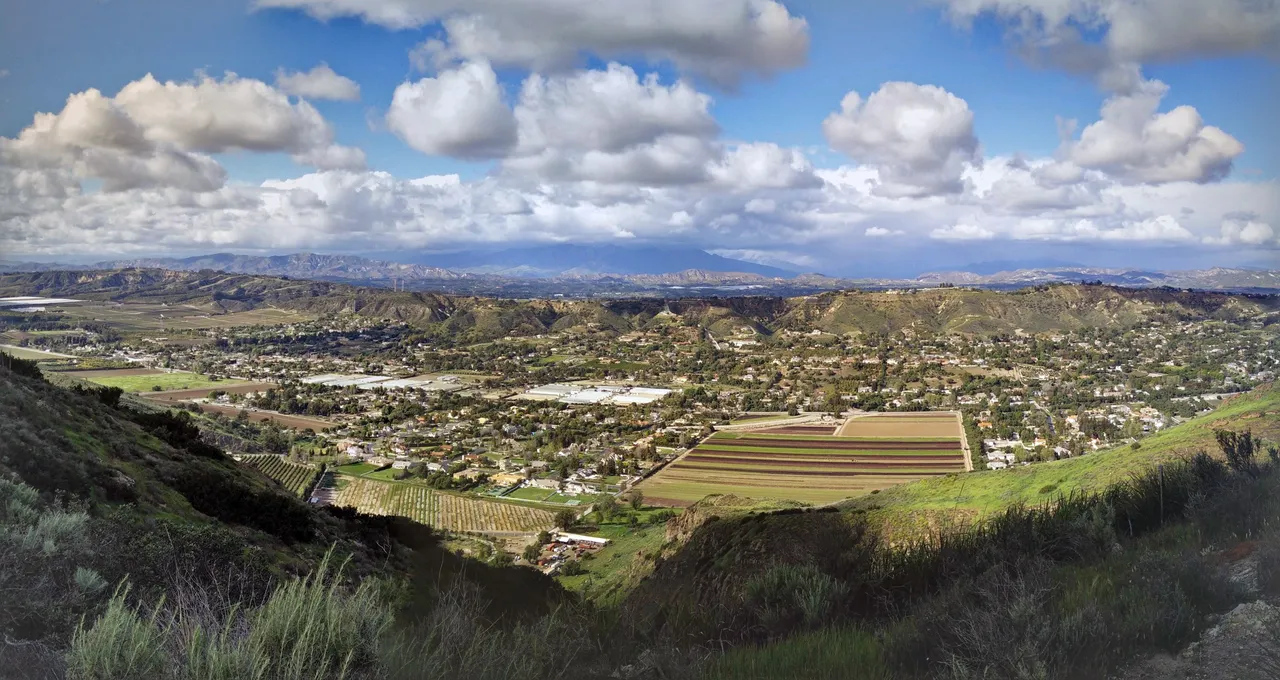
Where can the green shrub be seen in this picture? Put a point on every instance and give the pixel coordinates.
(122, 644)
(788, 594)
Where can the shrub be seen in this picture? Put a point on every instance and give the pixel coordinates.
(785, 595)
(122, 644)
(1240, 449)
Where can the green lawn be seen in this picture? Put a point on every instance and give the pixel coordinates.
(355, 469)
(983, 493)
(166, 381)
(387, 475)
(530, 493)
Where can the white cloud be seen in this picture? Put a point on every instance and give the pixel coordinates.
(608, 110)
(158, 134)
(722, 40)
(919, 137)
(93, 138)
(878, 232)
(232, 114)
(763, 165)
(1131, 31)
(1244, 231)
(461, 112)
(962, 232)
(320, 82)
(1135, 143)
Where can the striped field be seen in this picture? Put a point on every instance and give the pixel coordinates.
(440, 510)
(871, 452)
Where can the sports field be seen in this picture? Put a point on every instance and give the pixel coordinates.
(811, 464)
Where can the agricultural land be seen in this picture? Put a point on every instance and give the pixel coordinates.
(810, 463)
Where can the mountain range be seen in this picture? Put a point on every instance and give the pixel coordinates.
(614, 270)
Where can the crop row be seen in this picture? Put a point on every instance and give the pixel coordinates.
(441, 510)
(294, 477)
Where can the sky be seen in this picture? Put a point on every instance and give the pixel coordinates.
(849, 138)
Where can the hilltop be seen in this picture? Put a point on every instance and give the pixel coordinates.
(948, 310)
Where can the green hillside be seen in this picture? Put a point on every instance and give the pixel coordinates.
(94, 494)
(936, 503)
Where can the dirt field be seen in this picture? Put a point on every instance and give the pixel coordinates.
(905, 425)
(112, 372)
(294, 422)
(798, 429)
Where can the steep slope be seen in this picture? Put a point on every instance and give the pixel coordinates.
(162, 506)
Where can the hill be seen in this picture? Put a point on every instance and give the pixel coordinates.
(469, 318)
(95, 494)
(934, 504)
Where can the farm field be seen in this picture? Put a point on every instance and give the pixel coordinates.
(166, 381)
(440, 510)
(929, 503)
(918, 424)
(294, 477)
(281, 419)
(111, 372)
(36, 354)
(809, 463)
(152, 318)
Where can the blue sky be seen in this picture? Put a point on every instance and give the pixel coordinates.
(1210, 200)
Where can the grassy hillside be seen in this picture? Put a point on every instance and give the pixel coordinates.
(935, 503)
(471, 319)
(95, 494)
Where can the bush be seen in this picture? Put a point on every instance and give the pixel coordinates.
(122, 644)
(786, 595)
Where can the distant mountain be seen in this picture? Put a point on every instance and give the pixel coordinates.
(585, 260)
(298, 265)
(1218, 278)
(997, 266)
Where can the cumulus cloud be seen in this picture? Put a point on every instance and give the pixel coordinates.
(152, 133)
(919, 137)
(764, 165)
(94, 138)
(1061, 32)
(1135, 143)
(722, 40)
(1244, 230)
(461, 112)
(962, 232)
(320, 82)
(612, 126)
(878, 232)
(232, 114)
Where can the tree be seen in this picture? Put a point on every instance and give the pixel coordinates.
(637, 499)
(607, 506)
(532, 552)
(566, 518)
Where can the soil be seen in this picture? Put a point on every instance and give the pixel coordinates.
(835, 444)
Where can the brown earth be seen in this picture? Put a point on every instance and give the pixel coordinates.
(810, 471)
(835, 444)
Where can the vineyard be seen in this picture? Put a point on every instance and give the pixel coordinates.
(294, 477)
(440, 510)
